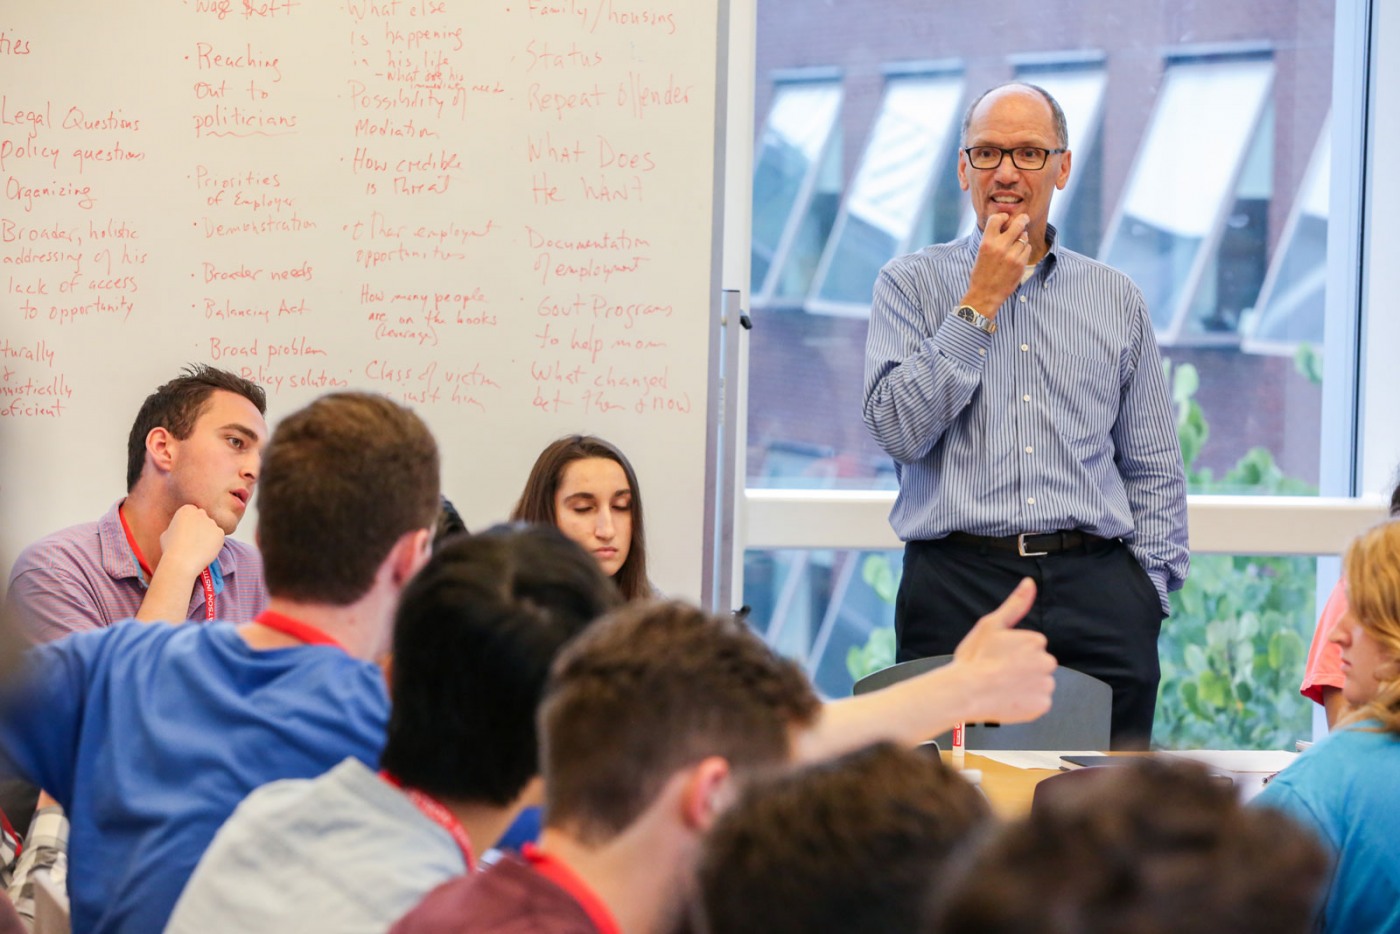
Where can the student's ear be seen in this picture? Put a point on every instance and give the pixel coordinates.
(410, 553)
(708, 791)
(160, 448)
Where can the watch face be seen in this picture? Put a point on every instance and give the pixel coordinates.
(972, 317)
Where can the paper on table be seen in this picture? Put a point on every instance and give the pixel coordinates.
(1031, 758)
(1239, 760)
(1250, 769)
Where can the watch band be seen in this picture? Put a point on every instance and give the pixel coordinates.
(975, 318)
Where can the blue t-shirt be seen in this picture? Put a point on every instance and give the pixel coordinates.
(150, 735)
(1344, 789)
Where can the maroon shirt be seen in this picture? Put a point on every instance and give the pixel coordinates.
(540, 896)
(9, 918)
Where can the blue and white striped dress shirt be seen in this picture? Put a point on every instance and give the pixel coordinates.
(1059, 420)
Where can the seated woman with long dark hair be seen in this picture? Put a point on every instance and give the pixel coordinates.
(587, 488)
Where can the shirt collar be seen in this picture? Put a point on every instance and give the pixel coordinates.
(117, 559)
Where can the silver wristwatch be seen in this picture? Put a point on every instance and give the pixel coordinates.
(975, 318)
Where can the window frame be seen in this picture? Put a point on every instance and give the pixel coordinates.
(1320, 156)
(953, 70)
(1084, 139)
(802, 202)
(1176, 331)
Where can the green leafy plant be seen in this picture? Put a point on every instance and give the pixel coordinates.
(880, 573)
(1232, 650)
(1232, 653)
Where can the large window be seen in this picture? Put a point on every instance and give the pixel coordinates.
(1188, 174)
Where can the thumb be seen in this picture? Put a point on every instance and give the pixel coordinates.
(1012, 610)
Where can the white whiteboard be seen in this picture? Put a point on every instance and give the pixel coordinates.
(502, 212)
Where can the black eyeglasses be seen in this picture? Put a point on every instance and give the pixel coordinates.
(1025, 158)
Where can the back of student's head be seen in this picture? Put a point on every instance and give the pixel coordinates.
(651, 689)
(177, 405)
(343, 479)
(476, 633)
(851, 845)
(1154, 847)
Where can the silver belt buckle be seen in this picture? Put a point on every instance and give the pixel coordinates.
(1021, 546)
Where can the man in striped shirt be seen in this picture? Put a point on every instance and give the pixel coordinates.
(1019, 389)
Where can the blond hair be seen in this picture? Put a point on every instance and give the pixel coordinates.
(1372, 570)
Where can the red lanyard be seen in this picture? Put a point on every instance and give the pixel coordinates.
(7, 830)
(562, 876)
(435, 811)
(304, 632)
(206, 579)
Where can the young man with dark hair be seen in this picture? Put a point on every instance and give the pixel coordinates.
(150, 735)
(1153, 845)
(656, 717)
(160, 553)
(852, 845)
(352, 850)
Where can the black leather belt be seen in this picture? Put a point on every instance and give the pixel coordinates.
(1030, 544)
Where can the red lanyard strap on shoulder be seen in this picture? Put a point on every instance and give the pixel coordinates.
(564, 877)
(304, 632)
(8, 830)
(435, 811)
